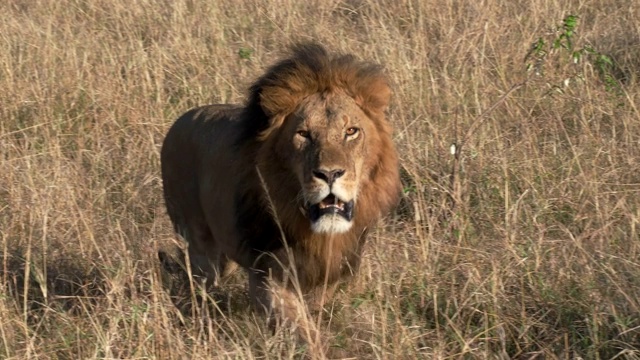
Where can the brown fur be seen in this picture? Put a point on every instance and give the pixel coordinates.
(234, 177)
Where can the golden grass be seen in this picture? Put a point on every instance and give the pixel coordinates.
(532, 251)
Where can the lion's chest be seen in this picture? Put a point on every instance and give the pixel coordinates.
(326, 260)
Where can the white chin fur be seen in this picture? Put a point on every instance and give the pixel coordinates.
(330, 224)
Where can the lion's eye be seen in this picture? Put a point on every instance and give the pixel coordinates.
(352, 131)
(303, 133)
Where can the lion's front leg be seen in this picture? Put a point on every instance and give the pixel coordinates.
(274, 300)
(317, 298)
(258, 291)
(284, 307)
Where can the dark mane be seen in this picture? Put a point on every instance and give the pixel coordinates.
(309, 70)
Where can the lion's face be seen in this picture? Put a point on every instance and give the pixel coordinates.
(325, 144)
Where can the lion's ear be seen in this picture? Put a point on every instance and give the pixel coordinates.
(276, 103)
(373, 94)
(276, 100)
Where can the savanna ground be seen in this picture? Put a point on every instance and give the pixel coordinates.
(524, 245)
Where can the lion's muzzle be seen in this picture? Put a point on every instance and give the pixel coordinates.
(329, 200)
(331, 205)
(330, 215)
(328, 176)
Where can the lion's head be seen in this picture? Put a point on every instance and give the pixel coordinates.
(325, 135)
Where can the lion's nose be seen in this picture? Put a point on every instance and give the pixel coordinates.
(329, 176)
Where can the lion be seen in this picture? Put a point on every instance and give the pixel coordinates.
(288, 185)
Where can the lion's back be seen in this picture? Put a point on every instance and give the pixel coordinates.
(198, 145)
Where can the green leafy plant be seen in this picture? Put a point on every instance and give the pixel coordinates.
(245, 53)
(563, 42)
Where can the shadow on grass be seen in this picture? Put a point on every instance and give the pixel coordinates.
(191, 293)
(77, 287)
(69, 304)
(64, 285)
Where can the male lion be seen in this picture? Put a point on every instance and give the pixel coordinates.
(287, 185)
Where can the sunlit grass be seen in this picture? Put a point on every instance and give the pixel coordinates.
(531, 251)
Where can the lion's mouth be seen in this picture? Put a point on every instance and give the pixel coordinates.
(330, 205)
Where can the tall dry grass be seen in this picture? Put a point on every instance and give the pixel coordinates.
(531, 251)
